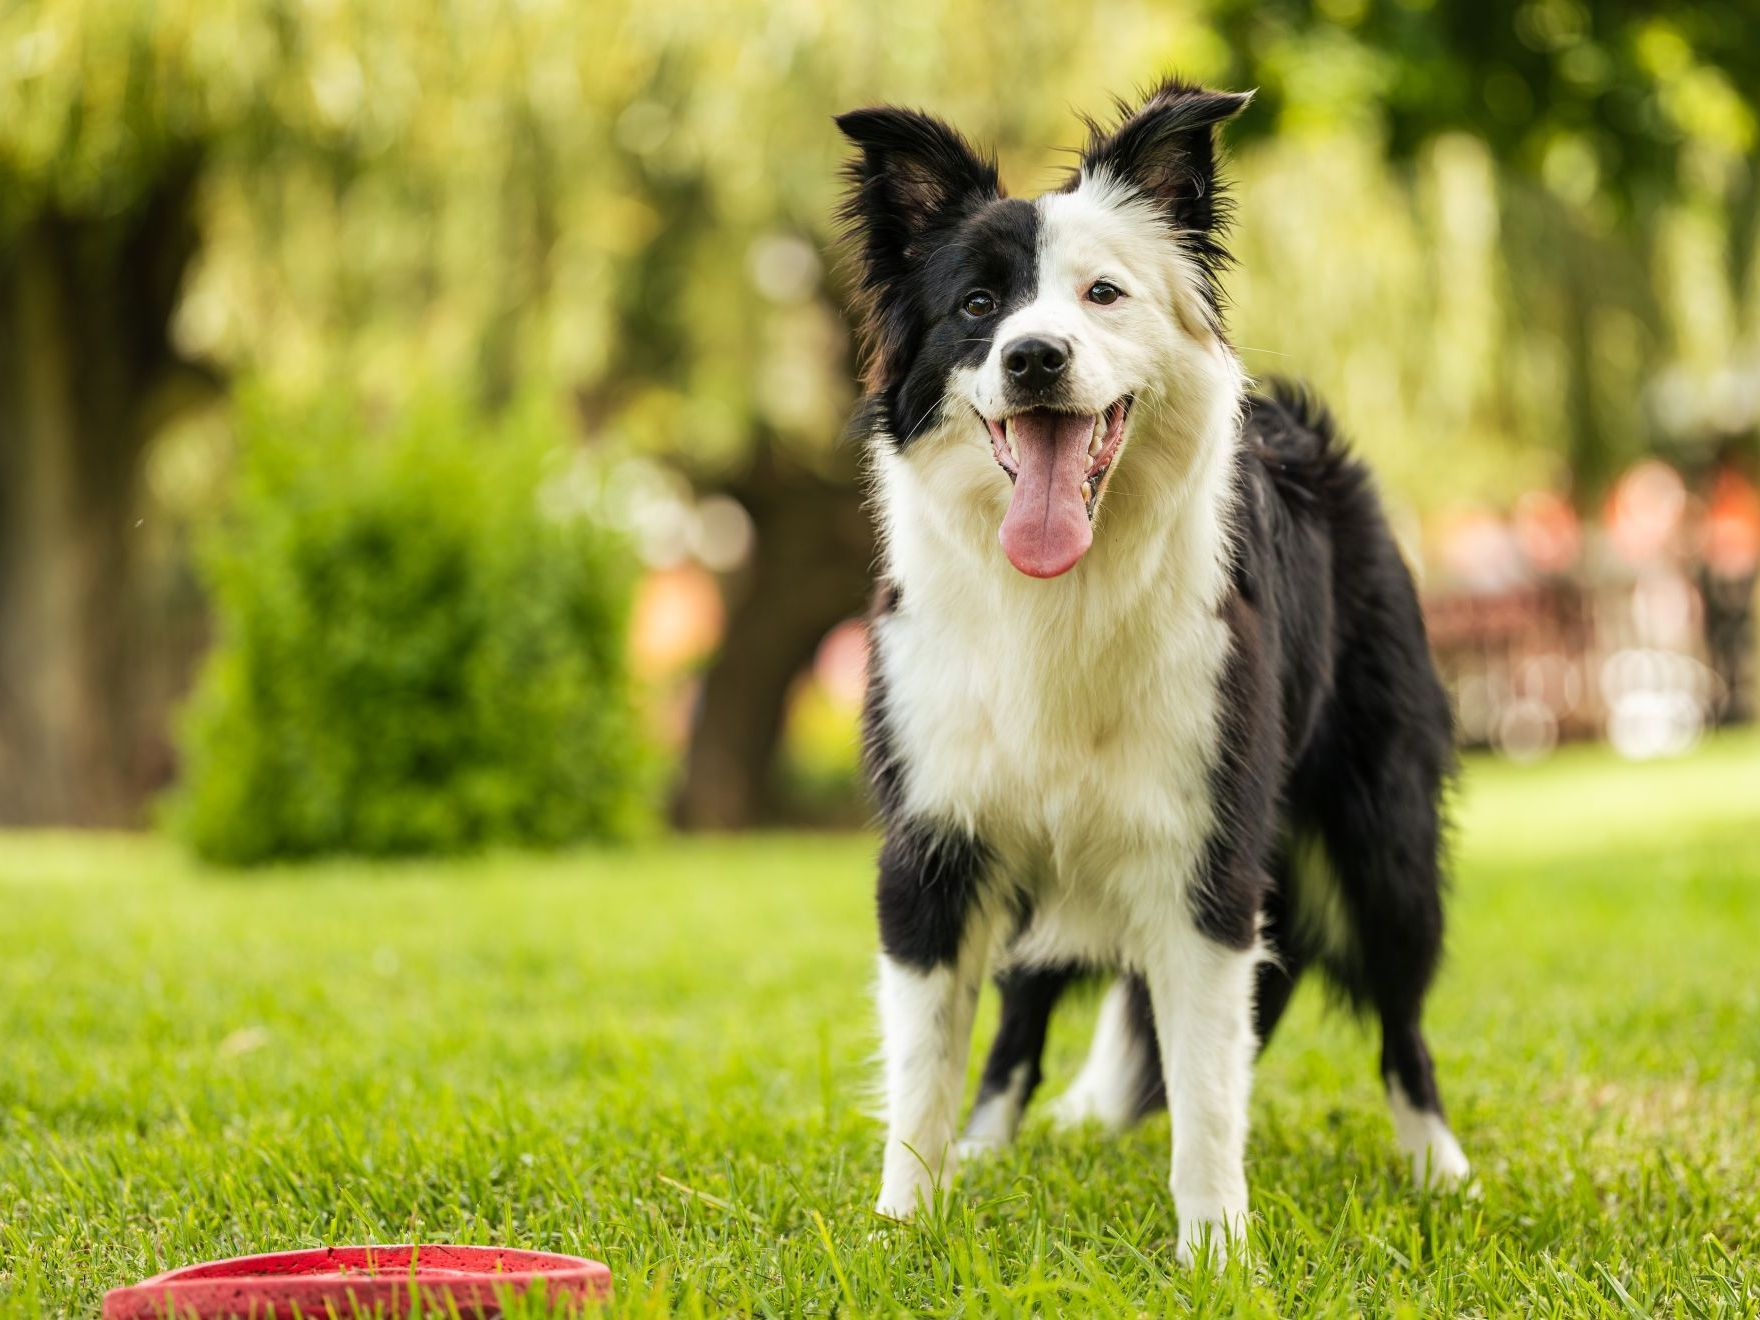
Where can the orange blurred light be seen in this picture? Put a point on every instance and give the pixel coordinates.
(1546, 527)
(841, 665)
(1479, 551)
(1644, 511)
(677, 621)
(1732, 526)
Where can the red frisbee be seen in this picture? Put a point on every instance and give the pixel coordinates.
(346, 1281)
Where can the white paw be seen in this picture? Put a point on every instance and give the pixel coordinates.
(995, 1117)
(1436, 1158)
(1441, 1164)
(1079, 1106)
(1213, 1238)
(1070, 1110)
(891, 1208)
(901, 1198)
(978, 1148)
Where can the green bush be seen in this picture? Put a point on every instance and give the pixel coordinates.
(413, 655)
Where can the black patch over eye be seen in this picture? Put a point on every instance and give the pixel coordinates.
(978, 303)
(1104, 292)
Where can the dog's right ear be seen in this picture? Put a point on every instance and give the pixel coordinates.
(914, 174)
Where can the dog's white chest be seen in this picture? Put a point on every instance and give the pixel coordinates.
(1070, 725)
(1069, 746)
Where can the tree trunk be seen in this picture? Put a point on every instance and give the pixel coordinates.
(84, 311)
(810, 571)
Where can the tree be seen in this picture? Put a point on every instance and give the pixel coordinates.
(97, 229)
(1605, 118)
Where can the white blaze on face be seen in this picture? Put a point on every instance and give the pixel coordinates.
(1148, 341)
(1101, 231)
(956, 483)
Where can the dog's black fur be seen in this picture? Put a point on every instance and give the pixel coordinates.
(1338, 725)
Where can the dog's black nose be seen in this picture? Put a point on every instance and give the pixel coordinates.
(1035, 364)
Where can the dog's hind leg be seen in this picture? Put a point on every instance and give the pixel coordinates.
(1287, 955)
(1423, 1133)
(1389, 886)
(1382, 837)
(1399, 932)
(1121, 1080)
(1276, 983)
(1012, 1072)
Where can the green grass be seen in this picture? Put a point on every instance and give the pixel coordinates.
(660, 1058)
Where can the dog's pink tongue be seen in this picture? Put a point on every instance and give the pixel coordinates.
(1046, 529)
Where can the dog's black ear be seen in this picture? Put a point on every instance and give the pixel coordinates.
(1166, 149)
(914, 173)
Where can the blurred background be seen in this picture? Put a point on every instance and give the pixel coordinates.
(419, 425)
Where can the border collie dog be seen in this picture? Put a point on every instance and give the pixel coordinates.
(1150, 691)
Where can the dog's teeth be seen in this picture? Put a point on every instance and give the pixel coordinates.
(1087, 491)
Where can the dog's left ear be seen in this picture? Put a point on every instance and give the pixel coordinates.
(1166, 149)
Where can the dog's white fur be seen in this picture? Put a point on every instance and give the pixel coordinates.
(1105, 1091)
(1436, 1158)
(995, 1118)
(1072, 723)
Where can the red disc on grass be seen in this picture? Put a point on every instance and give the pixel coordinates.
(387, 1281)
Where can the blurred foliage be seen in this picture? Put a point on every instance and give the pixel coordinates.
(1511, 241)
(630, 202)
(1619, 106)
(1590, 290)
(421, 645)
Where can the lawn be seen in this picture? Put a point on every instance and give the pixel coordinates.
(660, 1057)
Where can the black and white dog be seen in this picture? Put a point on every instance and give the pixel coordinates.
(1150, 689)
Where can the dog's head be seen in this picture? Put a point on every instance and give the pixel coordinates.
(1040, 330)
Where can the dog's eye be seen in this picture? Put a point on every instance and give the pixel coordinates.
(978, 303)
(1103, 292)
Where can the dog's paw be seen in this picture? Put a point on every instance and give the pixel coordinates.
(1084, 1105)
(1212, 1239)
(1443, 1169)
(993, 1122)
(901, 1204)
(1433, 1155)
(1437, 1161)
(978, 1147)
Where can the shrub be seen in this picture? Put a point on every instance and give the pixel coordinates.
(412, 655)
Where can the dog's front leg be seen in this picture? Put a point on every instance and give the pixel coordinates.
(934, 939)
(1202, 992)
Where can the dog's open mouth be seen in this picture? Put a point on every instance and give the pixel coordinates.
(1058, 462)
